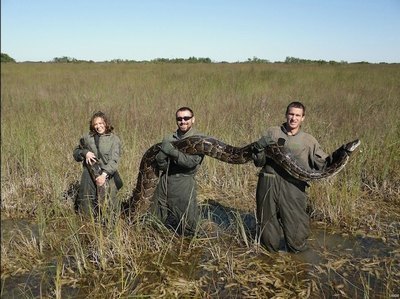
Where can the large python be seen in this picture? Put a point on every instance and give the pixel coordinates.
(95, 171)
(148, 172)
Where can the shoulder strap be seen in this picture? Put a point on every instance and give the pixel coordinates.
(97, 141)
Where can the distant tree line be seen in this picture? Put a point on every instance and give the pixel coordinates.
(257, 60)
(66, 59)
(294, 60)
(182, 60)
(288, 60)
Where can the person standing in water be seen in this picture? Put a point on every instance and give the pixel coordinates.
(99, 145)
(174, 201)
(281, 200)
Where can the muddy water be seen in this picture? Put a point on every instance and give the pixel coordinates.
(38, 282)
(351, 265)
(342, 265)
(337, 262)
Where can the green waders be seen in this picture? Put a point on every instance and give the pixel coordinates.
(282, 204)
(107, 207)
(175, 203)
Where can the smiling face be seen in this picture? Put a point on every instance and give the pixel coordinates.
(99, 125)
(294, 118)
(184, 120)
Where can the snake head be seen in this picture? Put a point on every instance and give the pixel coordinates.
(96, 168)
(351, 146)
(281, 141)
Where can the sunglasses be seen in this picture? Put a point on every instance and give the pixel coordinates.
(185, 118)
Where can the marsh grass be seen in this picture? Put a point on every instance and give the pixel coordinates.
(46, 108)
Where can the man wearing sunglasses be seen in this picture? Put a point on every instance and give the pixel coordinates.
(174, 200)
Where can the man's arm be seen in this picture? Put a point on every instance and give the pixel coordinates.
(180, 158)
(258, 150)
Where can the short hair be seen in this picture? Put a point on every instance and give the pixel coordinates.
(184, 109)
(296, 104)
(109, 127)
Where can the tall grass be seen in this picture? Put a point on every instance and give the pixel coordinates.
(46, 108)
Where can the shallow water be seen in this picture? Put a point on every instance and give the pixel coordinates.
(339, 263)
(10, 226)
(322, 261)
(38, 282)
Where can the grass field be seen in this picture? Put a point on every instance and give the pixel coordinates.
(45, 109)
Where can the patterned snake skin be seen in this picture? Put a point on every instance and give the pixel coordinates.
(95, 171)
(148, 172)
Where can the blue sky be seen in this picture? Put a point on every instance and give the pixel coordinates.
(222, 30)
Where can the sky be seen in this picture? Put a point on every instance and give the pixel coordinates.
(222, 30)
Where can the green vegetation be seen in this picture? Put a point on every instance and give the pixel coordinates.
(66, 59)
(6, 58)
(192, 59)
(46, 108)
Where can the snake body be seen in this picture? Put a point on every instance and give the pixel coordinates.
(95, 171)
(148, 173)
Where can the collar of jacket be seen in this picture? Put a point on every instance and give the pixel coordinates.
(178, 136)
(91, 134)
(283, 128)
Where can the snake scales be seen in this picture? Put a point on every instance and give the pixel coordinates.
(148, 172)
(95, 171)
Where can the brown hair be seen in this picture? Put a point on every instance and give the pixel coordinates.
(184, 109)
(296, 105)
(109, 127)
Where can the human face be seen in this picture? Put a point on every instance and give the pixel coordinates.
(184, 120)
(294, 118)
(99, 125)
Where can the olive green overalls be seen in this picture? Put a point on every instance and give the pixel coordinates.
(87, 201)
(281, 199)
(174, 200)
